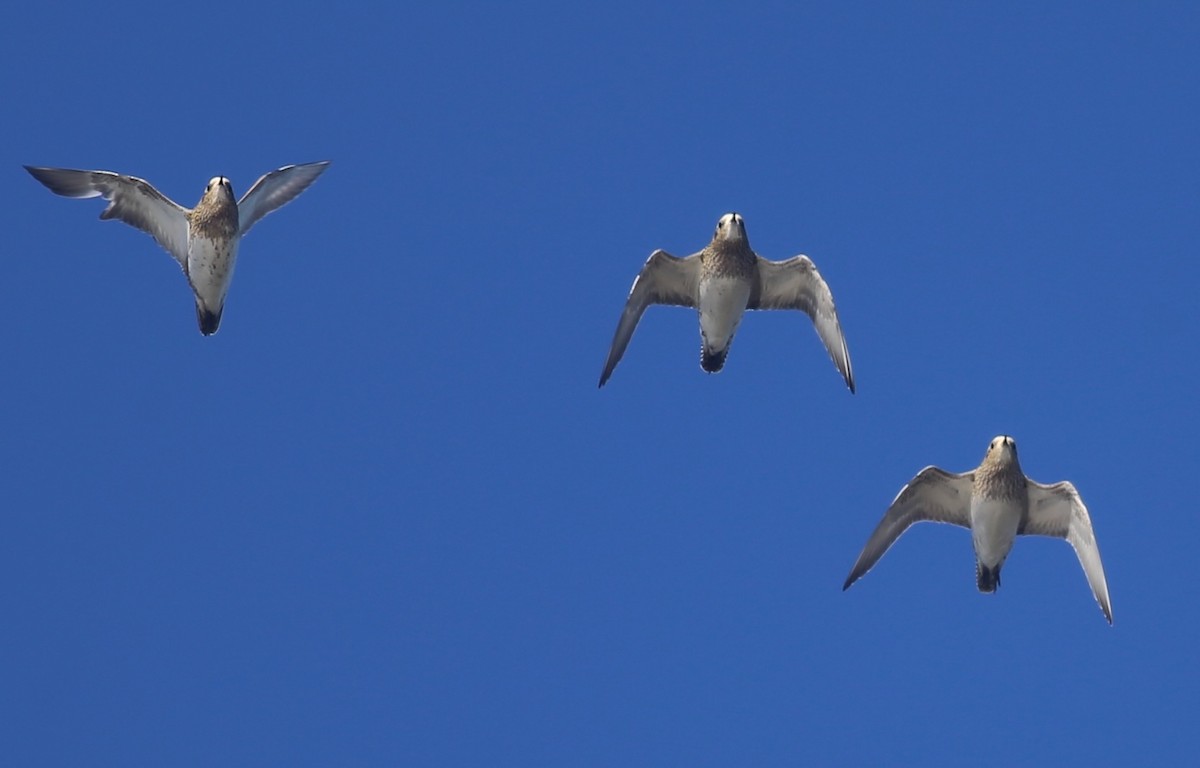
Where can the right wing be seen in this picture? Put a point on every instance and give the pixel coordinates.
(934, 495)
(130, 199)
(665, 279)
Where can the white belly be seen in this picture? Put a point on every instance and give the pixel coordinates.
(993, 529)
(210, 269)
(722, 302)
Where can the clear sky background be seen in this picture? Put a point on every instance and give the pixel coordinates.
(385, 517)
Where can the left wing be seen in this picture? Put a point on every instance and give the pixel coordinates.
(1056, 510)
(796, 284)
(276, 189)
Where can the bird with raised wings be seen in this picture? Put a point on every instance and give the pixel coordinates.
(205, 239)
(721, 282)
(997, 502)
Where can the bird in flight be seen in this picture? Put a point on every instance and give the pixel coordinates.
(205, 239)
(721, 282)
(998, 503)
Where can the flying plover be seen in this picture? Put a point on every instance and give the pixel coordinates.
(204, 240)
(998, 503)
(722, 282)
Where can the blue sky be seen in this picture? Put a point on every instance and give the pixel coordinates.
(385, 517)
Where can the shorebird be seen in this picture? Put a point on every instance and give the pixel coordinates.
(204, 240)
(722, 282)
(998, 503)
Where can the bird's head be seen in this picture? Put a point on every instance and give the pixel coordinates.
(219, 185)
(730, 227)
(1002, 448)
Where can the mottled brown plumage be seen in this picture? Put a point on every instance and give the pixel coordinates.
(216, 215)
(999, 475)
(728, 255)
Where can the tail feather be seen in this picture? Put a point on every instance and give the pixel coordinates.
(209, 321)
(987, 578)
(711, 360)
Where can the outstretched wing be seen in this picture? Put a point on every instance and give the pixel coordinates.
(796, 284)
(276, 189)
(934, 495)
(665, 279)
(130, 199)
(1056, 510)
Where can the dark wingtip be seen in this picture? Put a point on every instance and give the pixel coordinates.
(854, 576)
(52, 179)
